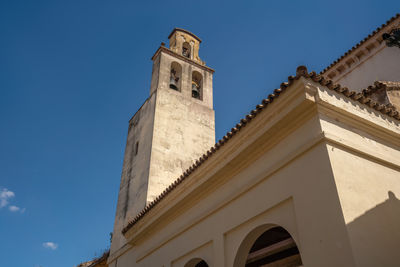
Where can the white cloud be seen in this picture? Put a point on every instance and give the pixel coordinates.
(14, 208)
(5, 195)
(50, 245)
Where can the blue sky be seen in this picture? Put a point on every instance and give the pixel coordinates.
(72, 73)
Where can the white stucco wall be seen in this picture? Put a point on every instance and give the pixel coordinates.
(367, 176)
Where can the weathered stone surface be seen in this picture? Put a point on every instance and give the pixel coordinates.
(168, 133)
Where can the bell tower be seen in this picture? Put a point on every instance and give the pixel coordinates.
(172, 129)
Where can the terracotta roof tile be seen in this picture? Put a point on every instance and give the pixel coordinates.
(378, 85)
(301, 72)
(99, 261)
(360, 43)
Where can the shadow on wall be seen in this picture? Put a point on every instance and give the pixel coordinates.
(375, 235)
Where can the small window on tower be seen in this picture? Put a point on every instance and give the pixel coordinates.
(136, 148)
(186, 49)
(175, 76)
(197, 86)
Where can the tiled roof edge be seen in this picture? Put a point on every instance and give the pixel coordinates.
(97, 260)
(381, 85)
(373, 88)
(300, 72)
(360, 43)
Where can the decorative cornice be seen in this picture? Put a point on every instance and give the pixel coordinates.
(300, 72)
(172, 53)
(352, 56)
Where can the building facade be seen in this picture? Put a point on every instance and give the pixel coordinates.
(310, 177)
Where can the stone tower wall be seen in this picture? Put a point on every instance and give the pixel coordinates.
(169, 132)
(183, 127)
(135, 171)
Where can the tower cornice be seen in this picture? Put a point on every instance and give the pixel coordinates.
(185, 31)
(172, 53)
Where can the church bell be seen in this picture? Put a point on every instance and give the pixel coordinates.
(195, 91)
(173, 83)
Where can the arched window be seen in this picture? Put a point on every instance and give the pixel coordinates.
(272, 247)
(197, 262)
(186, 49)
(175, 76)
(197, 85)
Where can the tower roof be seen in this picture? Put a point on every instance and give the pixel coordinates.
(185, 31)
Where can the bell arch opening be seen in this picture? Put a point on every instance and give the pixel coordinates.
(196, 262)
(186, 49)
(268, 246)
(175, 76)
(197, 85)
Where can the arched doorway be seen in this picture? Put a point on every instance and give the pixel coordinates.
(268, 246)
(197, 262)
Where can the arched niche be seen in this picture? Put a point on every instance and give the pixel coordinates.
(175, 78)
(196, 262)
(197, 85)
(268, 245)
(186, 50)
